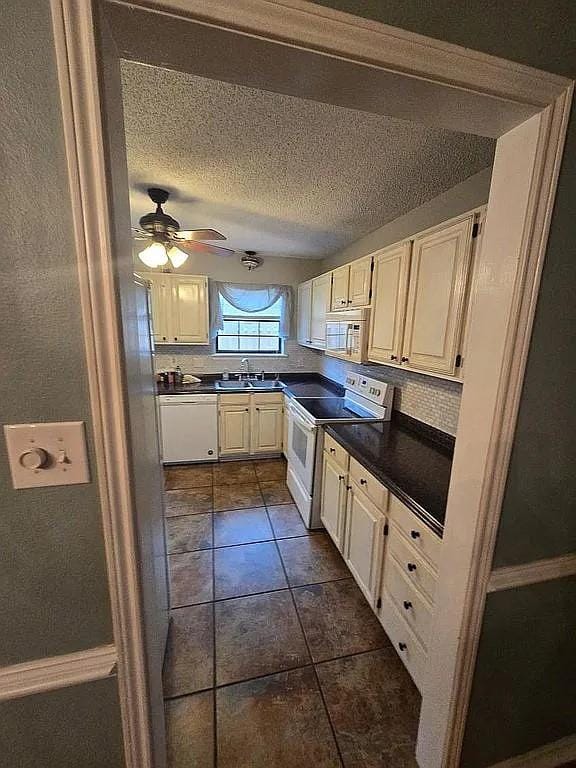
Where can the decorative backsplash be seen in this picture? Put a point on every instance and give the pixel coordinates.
(203, 360)
(433, 401)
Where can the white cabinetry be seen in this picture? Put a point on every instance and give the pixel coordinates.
(334, 490)
(340, 281)
(250, 424)
(179, 308)
(320, 305)
(435, 312)
(359, 282)
(304, 313)
(390, 289)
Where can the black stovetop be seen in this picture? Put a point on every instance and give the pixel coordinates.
(334, 409)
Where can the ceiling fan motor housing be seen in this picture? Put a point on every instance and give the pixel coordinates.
(158, 222)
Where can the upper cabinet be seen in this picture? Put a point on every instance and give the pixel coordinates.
(438, 282)
(351, 285)
(313, 304)
(320, 305)
(304, 312)
(340, 282)
(179, 308)
(390, 288)
(419, 299)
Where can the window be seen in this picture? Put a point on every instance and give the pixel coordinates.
(249, 332)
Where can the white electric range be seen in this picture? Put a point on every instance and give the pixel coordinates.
(365, 400)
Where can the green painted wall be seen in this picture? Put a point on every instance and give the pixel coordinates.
(539, 511)
(53, 584)
(77, 727)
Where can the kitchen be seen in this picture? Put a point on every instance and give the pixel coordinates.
(350, 366)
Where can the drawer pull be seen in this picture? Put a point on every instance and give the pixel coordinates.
(407, 604)
(362, 481)
(415, 534)
(402, 646)
(340, 477)
(332, 450)
(411, 567)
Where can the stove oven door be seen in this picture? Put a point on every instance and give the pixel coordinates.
(301, 447)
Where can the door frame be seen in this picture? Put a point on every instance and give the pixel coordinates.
(526, 109)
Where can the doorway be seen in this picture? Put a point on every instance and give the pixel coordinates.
(529, 123)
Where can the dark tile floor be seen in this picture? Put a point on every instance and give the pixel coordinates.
(274, 658)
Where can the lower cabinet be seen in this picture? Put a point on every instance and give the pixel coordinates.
(250, 424)
(333, 504)
(364, 541)
(391, 554)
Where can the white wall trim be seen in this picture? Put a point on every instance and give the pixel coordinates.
(549, 756)
(509, 577)
(54, 672)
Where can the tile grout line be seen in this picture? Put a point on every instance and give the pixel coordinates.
(336, 744)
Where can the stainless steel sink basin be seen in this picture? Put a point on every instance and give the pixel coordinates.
(266, 385)
(252, 384)
(237, 385)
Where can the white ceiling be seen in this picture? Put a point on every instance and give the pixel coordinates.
(277, 174)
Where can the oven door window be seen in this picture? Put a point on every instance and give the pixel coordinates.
(300, 444)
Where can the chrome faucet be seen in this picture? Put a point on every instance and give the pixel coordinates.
(245, 367)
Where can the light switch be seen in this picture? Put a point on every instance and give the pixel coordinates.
(47, 454)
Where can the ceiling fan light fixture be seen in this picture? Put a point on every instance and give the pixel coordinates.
(177, 256)
(154, 256)
(250, 260)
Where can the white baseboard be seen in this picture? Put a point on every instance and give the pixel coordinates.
(552, 755)
(56, 672)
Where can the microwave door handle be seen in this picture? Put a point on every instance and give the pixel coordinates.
(348, 339)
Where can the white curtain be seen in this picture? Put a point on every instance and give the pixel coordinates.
(251, 298)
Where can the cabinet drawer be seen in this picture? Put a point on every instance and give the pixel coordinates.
(412, 564)
(373, 488)
(409, 601)
(407, 646)
(336, 452)
(421, 537)
(234, 399)
(266, 398)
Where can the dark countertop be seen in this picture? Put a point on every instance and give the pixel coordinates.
(296, 385)
(411, 459)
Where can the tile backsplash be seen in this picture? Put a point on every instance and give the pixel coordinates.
(203, 360)
(434, 401)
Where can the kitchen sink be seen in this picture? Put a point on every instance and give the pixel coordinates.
(233, 385)
(252, 384)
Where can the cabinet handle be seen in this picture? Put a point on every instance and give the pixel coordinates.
(407, 604)
(411, 567)
(415, 534)
(349, 301)
(163, 338)
(393, 357)
(247, 409)
(405, 360)
(332, 450)
(348, 487)
(256, 409)
(340, 477)
(362, 481)
(402, 646)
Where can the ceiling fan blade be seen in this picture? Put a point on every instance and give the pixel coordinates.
(140, 234)
(193, 247)
(198, 234)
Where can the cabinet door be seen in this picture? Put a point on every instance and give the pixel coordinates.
(333, 500)
(340, 279)
(267, 426)
(389, 295)
(189, 309)
(364, 542)
(359, 282)
(320, 305)
(438, 278)
(304, 312)
(234, 429)
(161, 298)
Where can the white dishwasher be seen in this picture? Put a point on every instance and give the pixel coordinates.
(189, 426)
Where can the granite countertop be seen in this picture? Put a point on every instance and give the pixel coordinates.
(411, 459)
(296, 385)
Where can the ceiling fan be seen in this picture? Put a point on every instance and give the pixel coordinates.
(167, 239)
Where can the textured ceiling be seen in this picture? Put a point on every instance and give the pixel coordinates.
(277, 174)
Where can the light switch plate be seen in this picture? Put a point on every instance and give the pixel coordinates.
(47, 454)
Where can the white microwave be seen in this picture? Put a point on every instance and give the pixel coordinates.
(347, 334)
